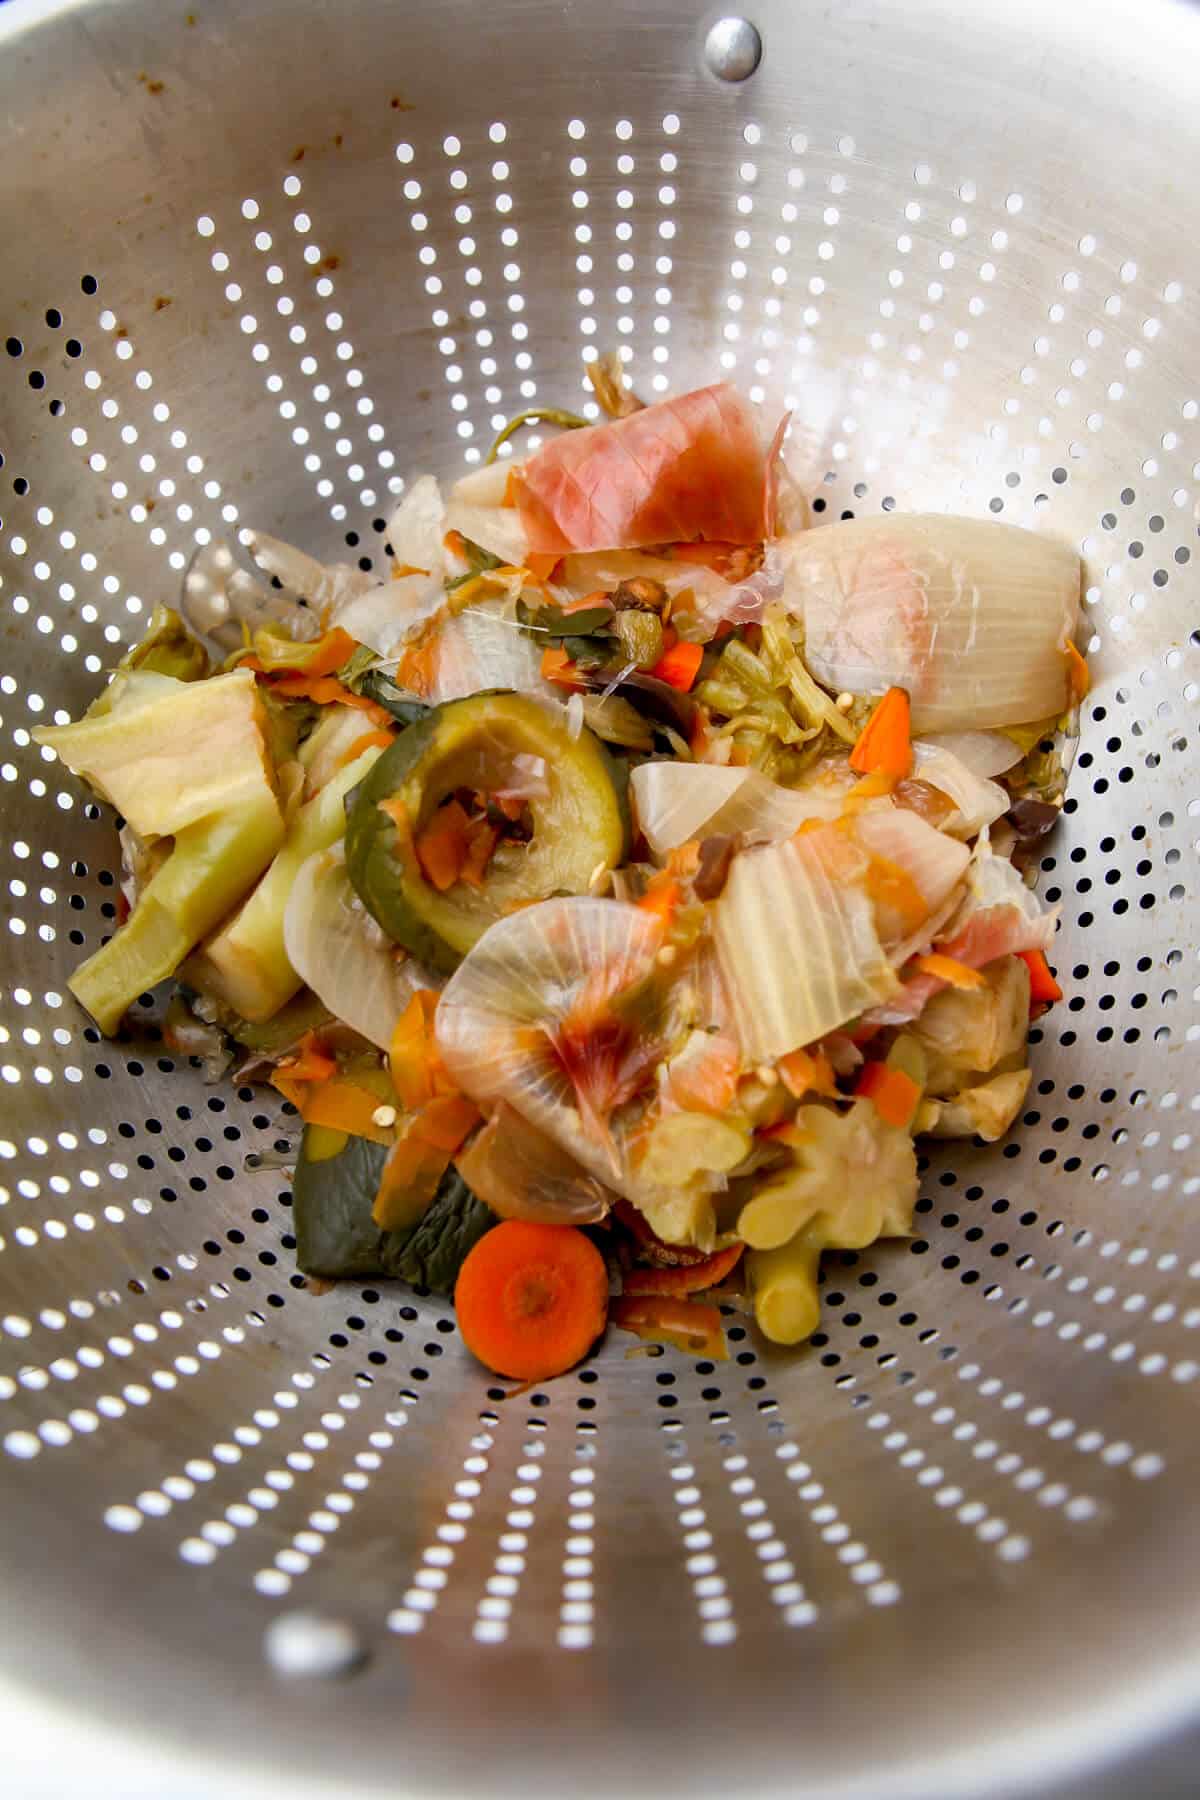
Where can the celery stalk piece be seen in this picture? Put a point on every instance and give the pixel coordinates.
(246, 964)
(212, 864)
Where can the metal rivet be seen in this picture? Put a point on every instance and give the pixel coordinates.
(733, 49)
(308, 1644)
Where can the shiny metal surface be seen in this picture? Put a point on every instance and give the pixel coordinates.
(263, 261)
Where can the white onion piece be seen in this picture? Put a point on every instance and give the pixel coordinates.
(529, 973)
(678, 801)
(999, 917)
(338, 951)
(325, 749)
(322, 585)
(984, 753)
(797, 944)
(971, 617)
(385, 615)
(587, 572)
(484, 647)
(933, 862)
(497, 529)
(486, 486)
(976, 802)
(993, 884)
(220, 597)
(417, 527)
(741, 602)
(523, 1173)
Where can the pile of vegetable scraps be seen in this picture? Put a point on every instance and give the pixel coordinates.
(617, 886)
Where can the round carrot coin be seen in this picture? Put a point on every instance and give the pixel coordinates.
(531, 1299)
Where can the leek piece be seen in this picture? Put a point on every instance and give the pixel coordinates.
(246, 964)
(212, 864)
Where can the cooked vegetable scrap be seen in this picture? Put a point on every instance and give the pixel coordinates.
(337, 1238)
(541, 812)
(616, 884)
(532, 1299)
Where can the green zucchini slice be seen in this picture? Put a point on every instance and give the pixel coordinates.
(574, 819)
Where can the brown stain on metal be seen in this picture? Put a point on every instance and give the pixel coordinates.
(399, 104)
(332, 261)
(162, 302)
(337, 140)
(298, 153)
(151, 87)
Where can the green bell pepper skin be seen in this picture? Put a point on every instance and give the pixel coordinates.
(336, 1235)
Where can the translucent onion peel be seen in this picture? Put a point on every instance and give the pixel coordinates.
(984, 753)
(415, 530)
(977, 801)
(972, 618)
(552, 1013)
(527, 1018)
(337, 950)
(678, 801)
(523, 1173)
(932, 862)
(685, 469)
(383, 616)
(476, 508)
(483, 647)
(320, 584)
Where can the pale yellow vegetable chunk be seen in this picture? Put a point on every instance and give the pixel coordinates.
(985, 1111)
(969, 1031)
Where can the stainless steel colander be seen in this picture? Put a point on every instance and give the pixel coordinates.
(261, 261)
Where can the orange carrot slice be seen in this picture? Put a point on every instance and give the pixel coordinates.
(558, 667)
(441, 846)
(679, 666)
(685, 1324)
(802, 1070)
(948, 968)
(885, 744)
(1079, 679)
(894, 1094)
(1043, 989)
(531, 1299)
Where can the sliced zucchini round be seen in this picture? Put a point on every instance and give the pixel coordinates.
(485, 744)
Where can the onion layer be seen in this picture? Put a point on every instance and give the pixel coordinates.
(971, 617)
(338, 951)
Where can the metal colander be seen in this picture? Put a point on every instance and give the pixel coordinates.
(263, 261)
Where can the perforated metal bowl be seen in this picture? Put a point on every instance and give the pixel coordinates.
(261, 261)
